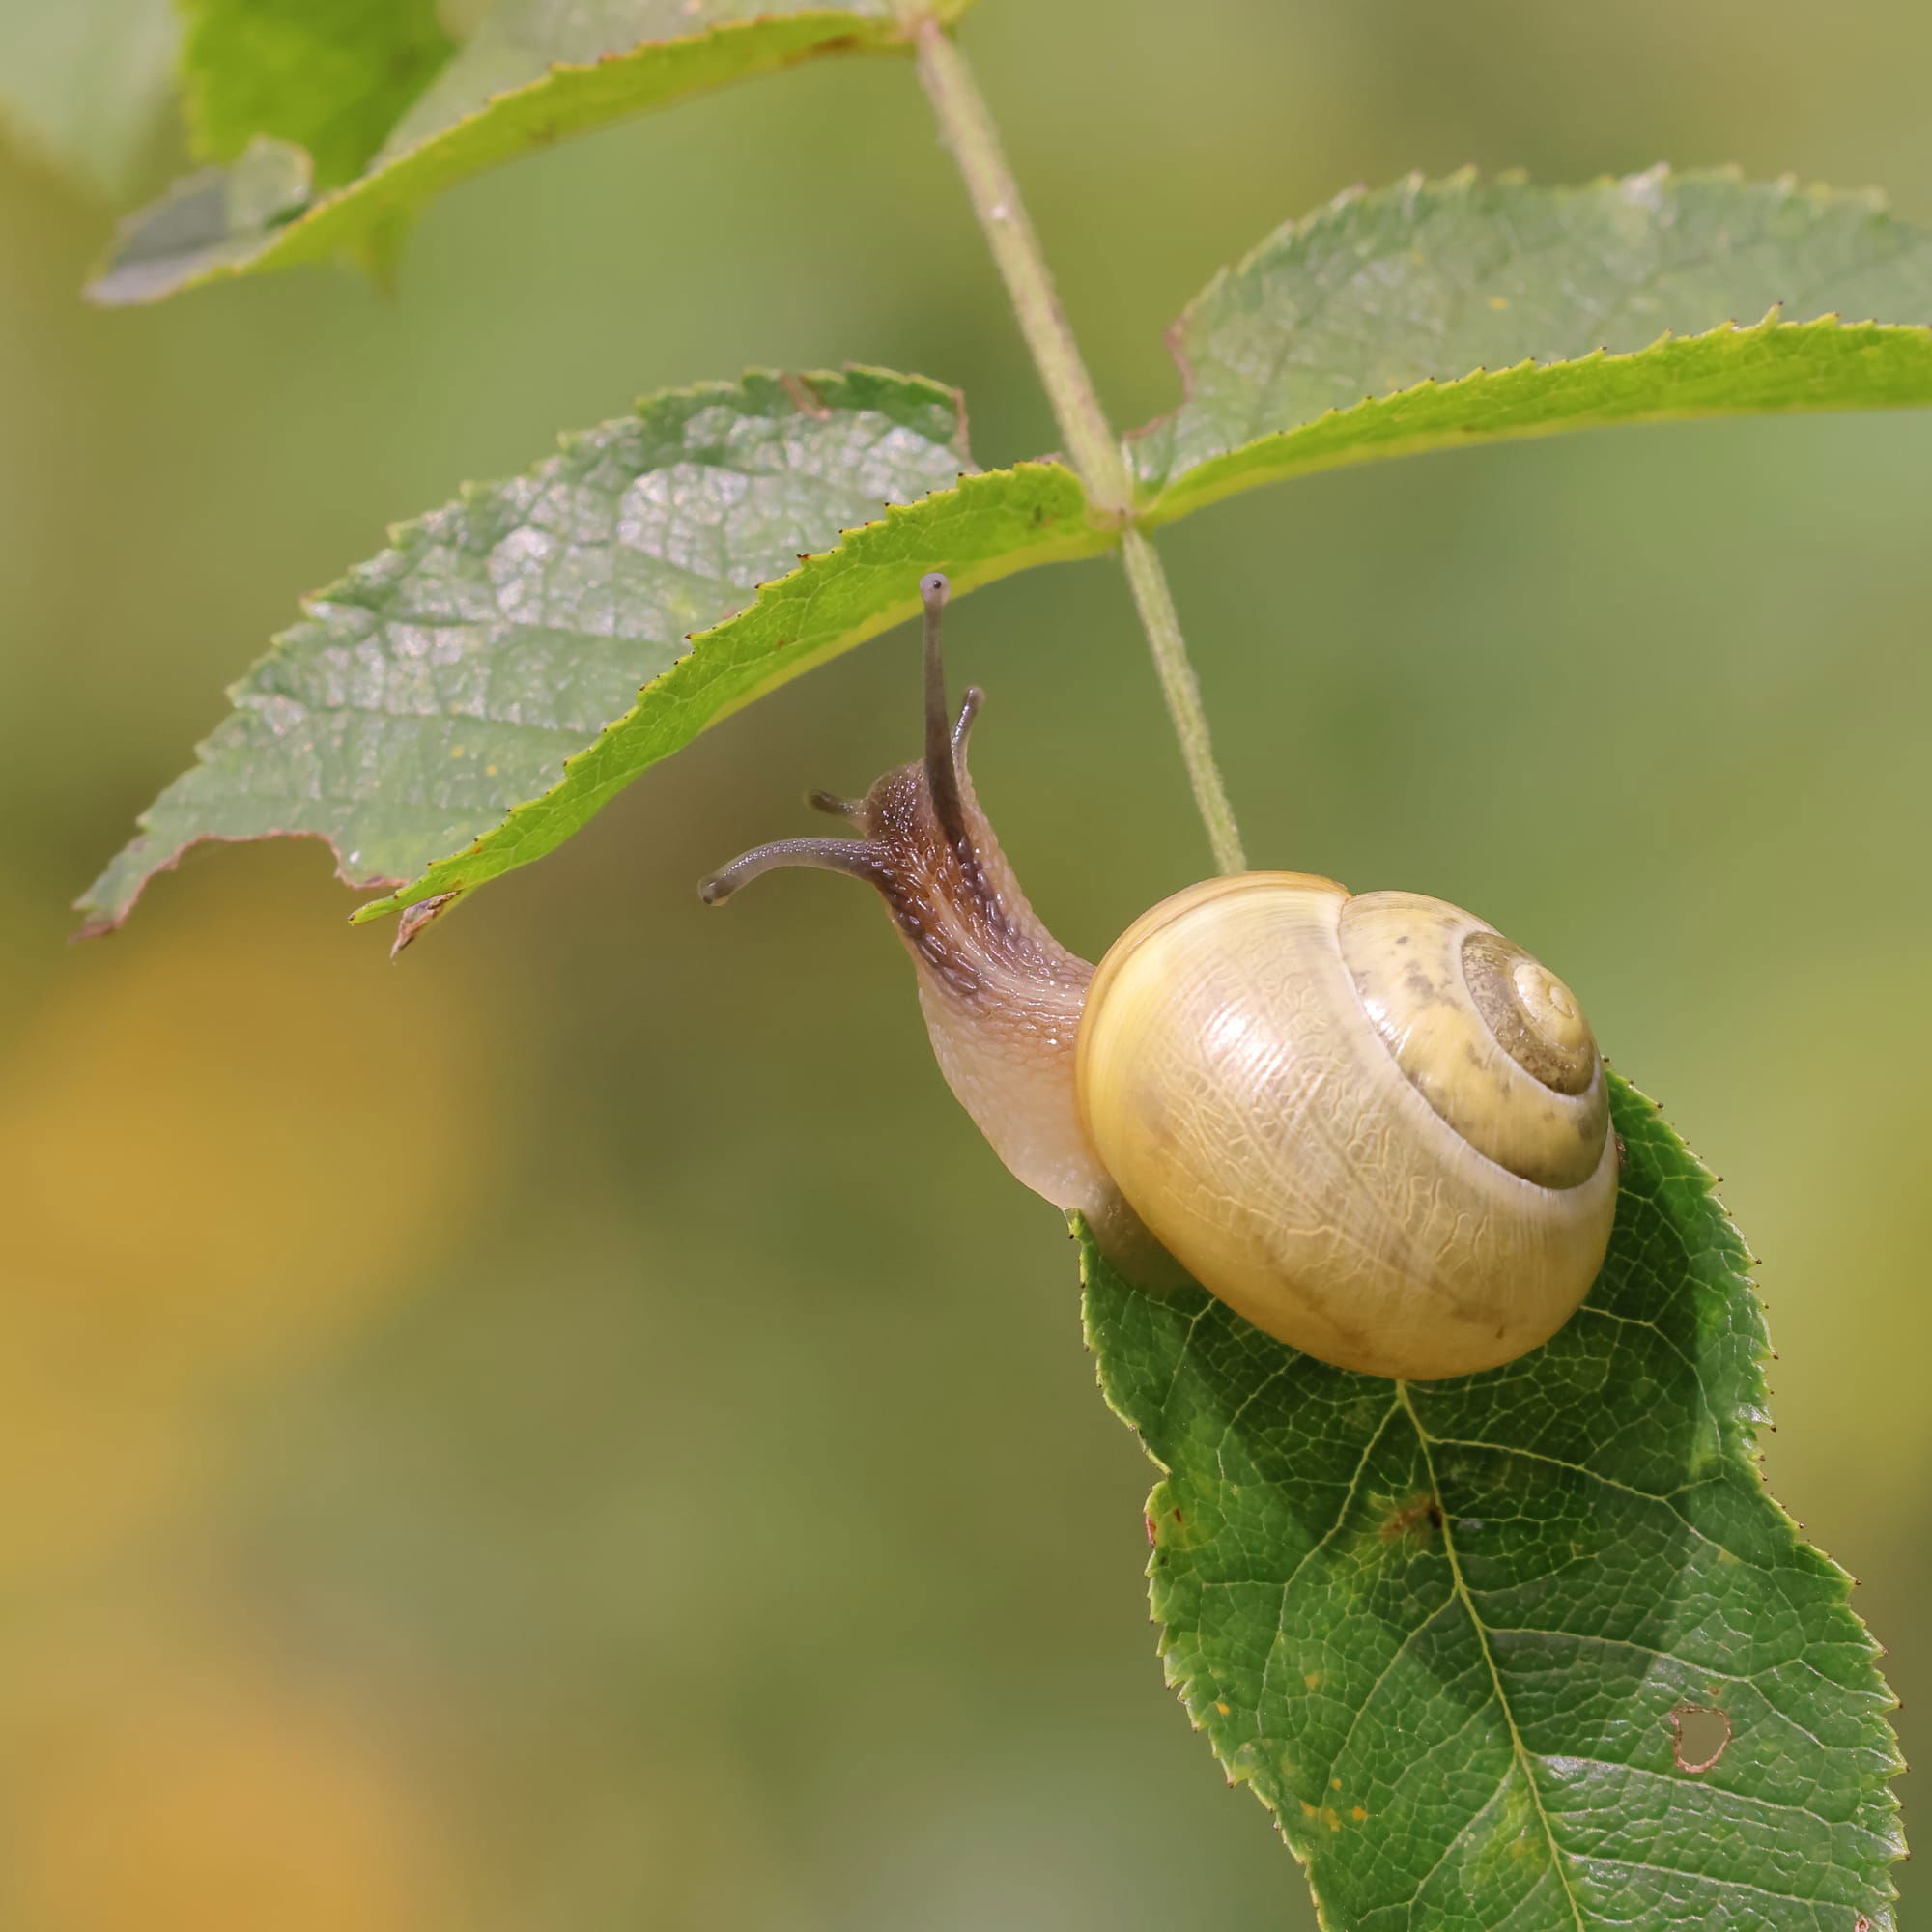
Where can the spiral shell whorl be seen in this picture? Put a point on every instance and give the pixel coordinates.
(1487, 1034)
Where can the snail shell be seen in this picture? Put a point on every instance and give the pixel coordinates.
(1371, 1125)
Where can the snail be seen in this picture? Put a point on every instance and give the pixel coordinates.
(1369, 1124)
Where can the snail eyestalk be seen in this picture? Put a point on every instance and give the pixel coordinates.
(942, 775)
(935, 782)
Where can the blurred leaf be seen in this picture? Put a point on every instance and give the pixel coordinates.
(215, 213)
(433, 697)
(535, 72)
(333, 77)
(1326, 345)
(82, 84)
(1466, 1639)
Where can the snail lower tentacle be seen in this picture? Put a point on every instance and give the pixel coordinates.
(825, 855)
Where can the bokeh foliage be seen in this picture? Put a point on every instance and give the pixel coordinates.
(533, 73)
(331, 78)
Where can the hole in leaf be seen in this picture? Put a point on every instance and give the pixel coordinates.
(1699, 1737)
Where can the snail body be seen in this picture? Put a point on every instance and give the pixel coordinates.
(1369, 1123)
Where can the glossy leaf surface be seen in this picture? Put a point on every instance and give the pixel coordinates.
(1434, 314)
(1529, 1650)
(467, 699)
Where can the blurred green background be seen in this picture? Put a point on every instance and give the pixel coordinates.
(576, 1430)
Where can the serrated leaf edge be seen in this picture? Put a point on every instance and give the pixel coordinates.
(430, 884)
(1183, 495)
(1751, 1414)
(802, 388)
(1463, 183)
(1416, 186)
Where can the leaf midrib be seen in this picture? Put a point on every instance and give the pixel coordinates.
(1520, 1750)
(1180, 493)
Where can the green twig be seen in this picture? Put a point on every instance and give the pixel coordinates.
(1092, 445)
(1183, 692)
(968, 131)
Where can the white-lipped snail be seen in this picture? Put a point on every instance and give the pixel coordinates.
(1369, 1123)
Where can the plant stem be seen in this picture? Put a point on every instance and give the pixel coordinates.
(968, 127)
(1181, 690)
(1092, 447)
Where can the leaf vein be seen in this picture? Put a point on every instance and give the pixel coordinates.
(1517, 1744)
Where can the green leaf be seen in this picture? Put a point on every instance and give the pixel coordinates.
(214, 214)
(428, 784)
(445, 713)
(330, 76)
(1354, 334)
(84, 83)
(1465, 1639)
(535, 73)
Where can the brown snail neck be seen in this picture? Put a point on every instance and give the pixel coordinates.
(1002, 997)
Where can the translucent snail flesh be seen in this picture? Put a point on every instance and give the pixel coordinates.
(1371, 1125)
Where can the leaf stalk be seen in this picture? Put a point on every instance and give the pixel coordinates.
(1092, 447)
(1181, 691)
